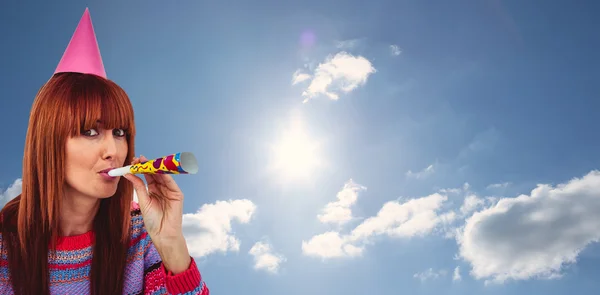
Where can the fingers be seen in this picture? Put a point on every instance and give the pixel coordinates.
(139, 187)
(138, 183)
(170, 183)
(150, 179)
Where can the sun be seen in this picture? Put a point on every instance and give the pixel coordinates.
(295, 156)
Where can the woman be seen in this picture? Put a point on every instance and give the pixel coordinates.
(74, 229)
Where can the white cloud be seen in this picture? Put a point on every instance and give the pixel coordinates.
(456, 276)
(341, 73)
(430, 274)
(209, 229)
(339, 212)
(395, 50)
(330, 245)
(470, 204)
(265, 258)
(429, 170)
(396, 219)
(520, 238)
(299, 77)
(11, 192)
(415, 217)
(533, 236)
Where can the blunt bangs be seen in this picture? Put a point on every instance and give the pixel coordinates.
(93, 100)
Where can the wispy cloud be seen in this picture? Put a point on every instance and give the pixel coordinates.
(395, 50)
(482, 142)
(430, 274)
(429, 170)
(470, 204)
(265, 258)
(498, 185)
(456, 277)
(456, 190)
(299, 77)
(348, 44)
(209, 230)
(339, 73)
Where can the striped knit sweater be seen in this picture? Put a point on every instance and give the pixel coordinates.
(144, 273)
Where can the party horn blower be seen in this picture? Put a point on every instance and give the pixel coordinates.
(180, 163)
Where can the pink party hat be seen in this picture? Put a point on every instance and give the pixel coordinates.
(82, 54)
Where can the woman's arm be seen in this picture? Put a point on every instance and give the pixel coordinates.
(160, 280)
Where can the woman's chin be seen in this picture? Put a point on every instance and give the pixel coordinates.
(105, 192)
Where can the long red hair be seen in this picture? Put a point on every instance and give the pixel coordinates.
(66, 105)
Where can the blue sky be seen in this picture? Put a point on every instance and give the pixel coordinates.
(353, 147)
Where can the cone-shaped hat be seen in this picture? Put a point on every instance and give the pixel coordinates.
(82, 54)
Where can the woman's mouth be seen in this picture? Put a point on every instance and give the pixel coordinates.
(104, 174)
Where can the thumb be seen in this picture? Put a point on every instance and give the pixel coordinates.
(139, 187)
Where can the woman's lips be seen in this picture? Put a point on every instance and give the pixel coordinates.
(106, 176)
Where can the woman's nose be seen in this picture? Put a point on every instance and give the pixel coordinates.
(110, 145)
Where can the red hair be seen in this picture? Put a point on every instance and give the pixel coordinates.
(67, 104)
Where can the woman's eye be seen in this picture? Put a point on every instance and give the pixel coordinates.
(91, 132)
(119, 132)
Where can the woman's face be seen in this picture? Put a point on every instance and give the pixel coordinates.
(88, 158)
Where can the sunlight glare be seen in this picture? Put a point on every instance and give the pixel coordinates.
(295, 156)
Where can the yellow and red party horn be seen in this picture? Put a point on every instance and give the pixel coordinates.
(180, 163)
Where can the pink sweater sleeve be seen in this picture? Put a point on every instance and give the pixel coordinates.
(157, 280)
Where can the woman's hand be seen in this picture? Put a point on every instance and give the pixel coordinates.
(161, 205)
